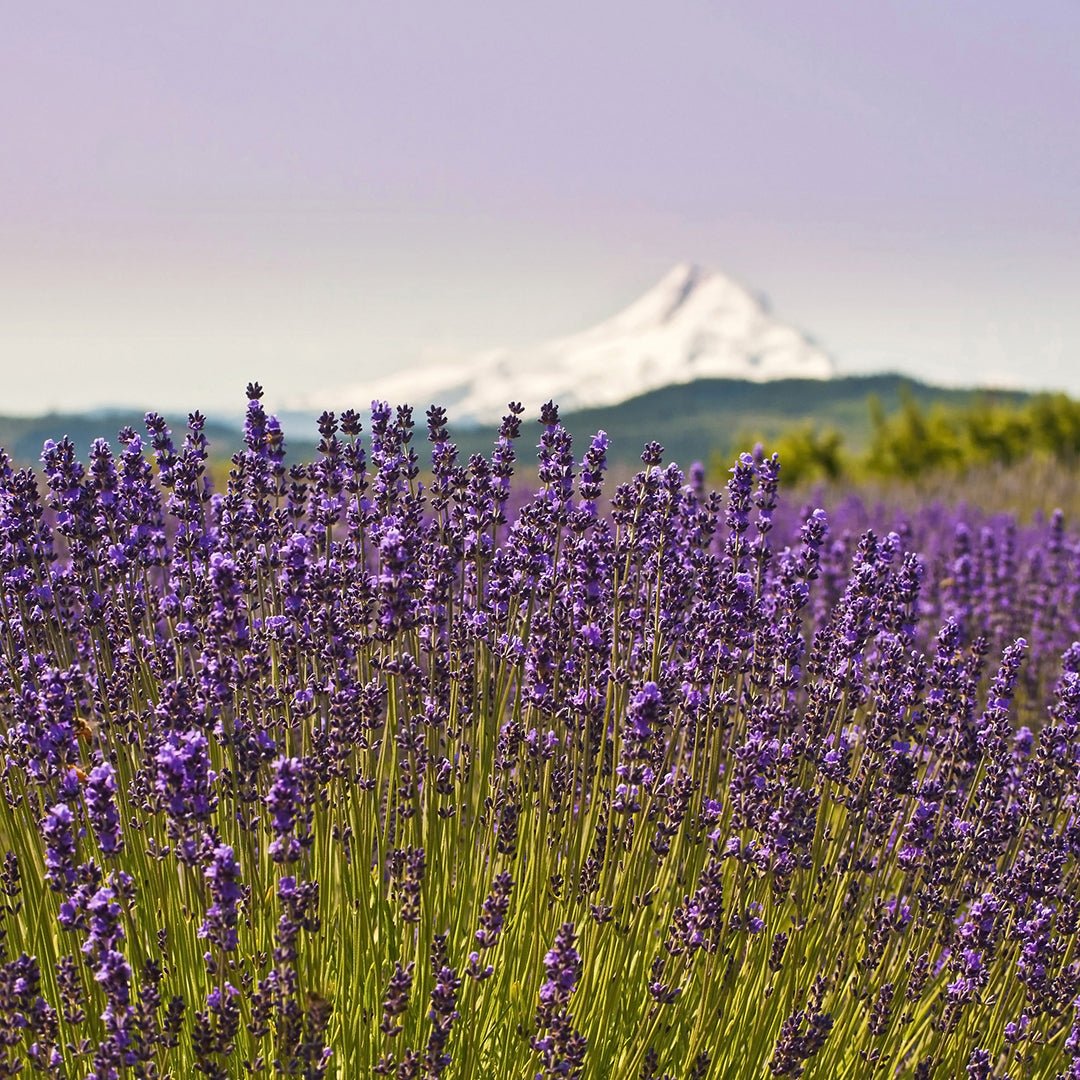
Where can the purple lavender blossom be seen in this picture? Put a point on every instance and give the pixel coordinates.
(493, 913)
(59, 830)
(289, 805)
(223, 877)
(184, 780)
(101, 808)
(396, 1000)
(563, 967)
(561, 1047)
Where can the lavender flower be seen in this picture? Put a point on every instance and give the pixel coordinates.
(101, 808)
(289, 805)
(494, 911)
(223, 879)
(560, 1045)
(396, 1000)
(59, 830)
(563, 966)
(185, 782)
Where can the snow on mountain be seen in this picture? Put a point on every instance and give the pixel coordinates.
(693, 324)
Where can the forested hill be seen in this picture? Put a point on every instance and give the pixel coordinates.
(722, 416)
(22, 436)
(692, 420)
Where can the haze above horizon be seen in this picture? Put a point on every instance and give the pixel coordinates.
(313, 195)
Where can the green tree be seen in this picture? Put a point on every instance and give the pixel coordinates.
(808, 453)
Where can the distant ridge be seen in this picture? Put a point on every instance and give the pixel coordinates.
(723, 416)
(23, 436)
(693, 324)
(691, 420)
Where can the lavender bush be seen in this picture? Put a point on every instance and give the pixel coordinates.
(338, 774)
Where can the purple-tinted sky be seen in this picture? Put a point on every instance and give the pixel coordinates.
(196, 194)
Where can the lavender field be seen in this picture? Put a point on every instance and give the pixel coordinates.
(339, 772)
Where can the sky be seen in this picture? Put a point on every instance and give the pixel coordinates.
(194, 195)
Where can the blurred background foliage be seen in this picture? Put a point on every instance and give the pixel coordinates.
(932, 446)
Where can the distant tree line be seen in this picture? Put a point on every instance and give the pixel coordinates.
(916, 440)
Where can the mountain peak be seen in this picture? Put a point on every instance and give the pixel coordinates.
(694, 323)
(665, 298)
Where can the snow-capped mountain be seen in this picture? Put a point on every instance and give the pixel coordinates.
(693, 324)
